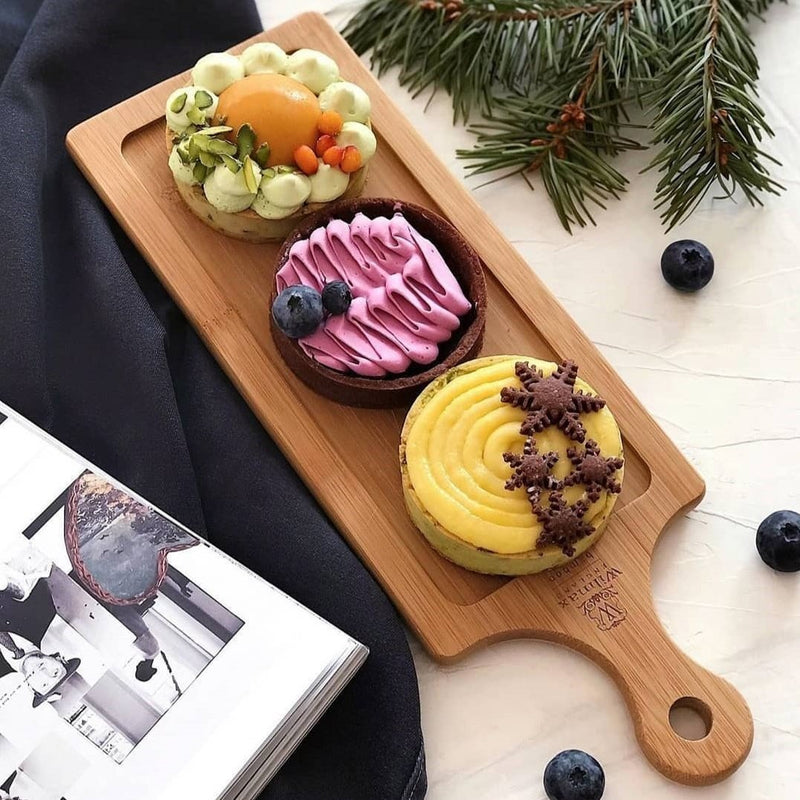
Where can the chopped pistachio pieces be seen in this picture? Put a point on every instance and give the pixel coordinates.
(183, 153)
(268, 173)
(208, 159)
(193, 148)
(220, 146)
(262, 155)
(199, 172)
(250, 177)
(245, 140)
(196, 115)
(285, 169)
(206, 144)
(231, 163)
(202, 99)
(202, 143)
(178, 102)
(215, 130)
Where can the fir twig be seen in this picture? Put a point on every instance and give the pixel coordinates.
(552, 78)
(568, 131)
(474, 49)
(568, 143)
(708, 124)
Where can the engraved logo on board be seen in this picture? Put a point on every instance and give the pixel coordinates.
(588, 584)
(605, 609)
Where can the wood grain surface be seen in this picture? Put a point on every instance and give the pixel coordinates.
(600, 604)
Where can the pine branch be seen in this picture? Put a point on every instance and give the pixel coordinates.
(708, 123)
(552, 78)
(568, 131)
(566, 134)
(475, 50)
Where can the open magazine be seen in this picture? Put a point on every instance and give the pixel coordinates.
(136, 660)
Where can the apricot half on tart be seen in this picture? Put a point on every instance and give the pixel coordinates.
(260, 140)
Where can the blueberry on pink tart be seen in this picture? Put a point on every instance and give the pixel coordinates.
(374, 298)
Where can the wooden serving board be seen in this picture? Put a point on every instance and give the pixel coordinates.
(600, 604)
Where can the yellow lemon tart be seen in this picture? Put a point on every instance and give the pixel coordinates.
(510, 465)
(259, 141)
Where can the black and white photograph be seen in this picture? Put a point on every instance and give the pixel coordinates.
(98, 632)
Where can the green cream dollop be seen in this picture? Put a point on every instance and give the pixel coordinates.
(312, 68)
(347, 99)
(178, 120)
(183, 172)
(360, 136)
(279, 196)
(228, 191)
(286, 189)
(217, 71)
(263, 57)
(327, 184)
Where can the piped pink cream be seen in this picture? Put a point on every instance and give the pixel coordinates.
(406, 301)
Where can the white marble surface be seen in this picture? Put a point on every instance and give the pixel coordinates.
(720, 371)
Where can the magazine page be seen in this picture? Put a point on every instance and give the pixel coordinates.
(135, 659)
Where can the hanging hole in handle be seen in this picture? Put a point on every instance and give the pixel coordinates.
(691, 718)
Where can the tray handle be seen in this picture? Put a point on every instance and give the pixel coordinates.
(602, 607)
(655, 677)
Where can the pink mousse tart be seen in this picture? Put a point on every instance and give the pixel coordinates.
(374, 298)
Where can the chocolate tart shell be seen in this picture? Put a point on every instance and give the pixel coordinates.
(399, 390)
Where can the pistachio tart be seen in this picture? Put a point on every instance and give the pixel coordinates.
(510, 465)
(257, 142)
(416, 302)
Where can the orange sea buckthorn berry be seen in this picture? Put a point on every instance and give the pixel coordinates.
(330, 122)
(333, 156)
(325, 142)
(306, 159)
(351, 159)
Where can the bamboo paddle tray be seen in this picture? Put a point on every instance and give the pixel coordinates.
(600, 604)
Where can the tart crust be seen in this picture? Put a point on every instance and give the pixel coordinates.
(400, 390)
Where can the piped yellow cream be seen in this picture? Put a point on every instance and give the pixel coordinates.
(454, 474)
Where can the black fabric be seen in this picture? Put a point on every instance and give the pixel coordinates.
(92, 349)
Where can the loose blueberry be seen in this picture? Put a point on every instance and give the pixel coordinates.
(297, 311)
(574, 775)
(778, 541)
(336, 297)
(687, 265)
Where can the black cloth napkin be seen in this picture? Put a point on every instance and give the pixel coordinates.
(93, 350)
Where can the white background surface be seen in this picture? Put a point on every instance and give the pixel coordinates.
(720, 371)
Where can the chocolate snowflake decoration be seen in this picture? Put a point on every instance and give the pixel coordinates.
(532, 471)
(563, 524)
(593, 470)
(551, 400)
